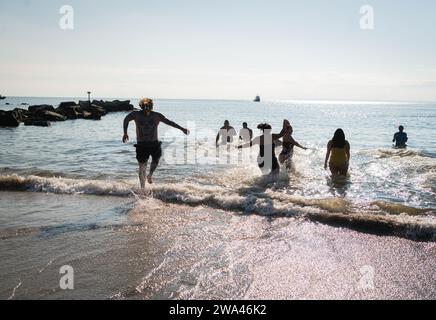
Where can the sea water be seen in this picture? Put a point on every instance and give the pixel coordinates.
(74, 181)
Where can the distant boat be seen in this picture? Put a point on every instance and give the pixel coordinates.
(2, 97)
(257, 99)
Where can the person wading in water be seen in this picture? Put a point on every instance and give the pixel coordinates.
(147, 122)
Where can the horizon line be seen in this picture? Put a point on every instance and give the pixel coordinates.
(325, 101)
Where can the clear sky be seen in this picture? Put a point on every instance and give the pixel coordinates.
(313, 49)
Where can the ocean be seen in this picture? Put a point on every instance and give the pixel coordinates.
(212, 227)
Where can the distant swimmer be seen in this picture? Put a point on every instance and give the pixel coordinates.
(245, 134)
(285, 157)
(227, 134)
(266, 160)
(338, 150)
(147, 122)
(400, 138)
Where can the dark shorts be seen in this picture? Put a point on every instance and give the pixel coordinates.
(146, 149)
(274, 163)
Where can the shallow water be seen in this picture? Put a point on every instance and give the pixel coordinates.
(162, 251)
(76, 181)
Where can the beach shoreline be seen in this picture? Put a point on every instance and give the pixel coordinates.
(157, 250)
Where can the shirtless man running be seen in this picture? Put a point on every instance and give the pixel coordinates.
(147, 122)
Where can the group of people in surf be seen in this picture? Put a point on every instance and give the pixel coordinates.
(267, 142)
(147, 121)
(337, 156)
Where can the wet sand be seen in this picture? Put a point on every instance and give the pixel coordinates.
(148, 249)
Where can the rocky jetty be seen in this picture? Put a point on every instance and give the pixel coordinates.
(8, 119)
(42, 115)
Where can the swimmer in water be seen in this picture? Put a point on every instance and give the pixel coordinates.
(400, 138)
(285, 157)
(338, 151)
(266, 159)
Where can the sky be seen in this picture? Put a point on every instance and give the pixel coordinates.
(205, 49)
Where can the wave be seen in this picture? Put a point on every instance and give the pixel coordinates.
(64, 185)
(398, 153)
(260, 198)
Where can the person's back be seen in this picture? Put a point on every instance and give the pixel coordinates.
(400, 138)
(338, 151)
(246, 134)
(227, 132)
(339, 155)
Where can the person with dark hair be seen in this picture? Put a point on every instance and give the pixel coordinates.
(285, 157)
(147, 122)
(245, 134)
(400, 138)
(227, 132)
(338, 151)
(266, 160)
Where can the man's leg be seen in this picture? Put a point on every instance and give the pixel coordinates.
(155, 156)
(142, 174)
(153, 167)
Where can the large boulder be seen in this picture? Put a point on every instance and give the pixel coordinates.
(117, 105)
(69, 111)
(67, 104)
(98, 111)
(99, 103)
(42, 107)
(114, 106)
(90, 116)
(50, 116)
(37, 122)
(8, 119)
(21, 114)
(84, 104)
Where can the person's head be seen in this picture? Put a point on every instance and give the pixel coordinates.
(264, 127)
(289, 129)
(245, 125)
(338, 139)
(146, 104)
(401, 128)
(226, 123)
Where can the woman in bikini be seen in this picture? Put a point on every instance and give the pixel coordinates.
(289, 142)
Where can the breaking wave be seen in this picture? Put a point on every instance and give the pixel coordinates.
(261, 198)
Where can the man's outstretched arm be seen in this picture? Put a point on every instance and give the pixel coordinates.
(130, 117)
(173, 124)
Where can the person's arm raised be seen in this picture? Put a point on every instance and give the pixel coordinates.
(127, 119)
(173, 124)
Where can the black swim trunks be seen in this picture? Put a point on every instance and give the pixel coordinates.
(274, 163)
(146, 149)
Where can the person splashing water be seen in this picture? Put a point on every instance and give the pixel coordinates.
(147, 122)
(266, 160)
(285, 157)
